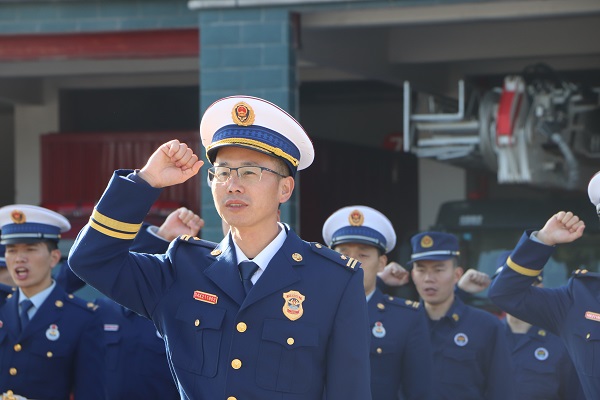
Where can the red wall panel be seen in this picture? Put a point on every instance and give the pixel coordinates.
(76, 168)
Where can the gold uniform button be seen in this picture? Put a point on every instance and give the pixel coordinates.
(290, 341)
(297, 257)
(17, 347)
(71, 296)
(379, 350)
(9, 296)
(588, 336)
(584, 271)
(241, 327)
(343, 257)
(236, 364)
(215, 252)
(318, 245)
(12, 371)
(381, 306)
(58, 303)
(49, 354)
(232, 398)
(197, 322)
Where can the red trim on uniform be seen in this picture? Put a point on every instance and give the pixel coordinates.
(101, 45)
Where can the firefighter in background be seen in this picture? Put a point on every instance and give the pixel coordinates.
(263, 314)
(6, 281)
(136, 360)
(50, 342)
(542, 367)
(571, 311)
(471, 359)
(400, 352)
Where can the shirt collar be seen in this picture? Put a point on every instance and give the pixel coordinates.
(370, 295)
(264, 257)
(38, 298)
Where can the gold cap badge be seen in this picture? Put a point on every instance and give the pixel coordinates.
(292, 305)
(426, 241)
(242, 114)
(18, 217)
(356, 218)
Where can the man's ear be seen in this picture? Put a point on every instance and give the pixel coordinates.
(286, 187)
(54, 257)
(458, 273)
(382, 262)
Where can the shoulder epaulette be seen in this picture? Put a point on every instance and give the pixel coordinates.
(334, 256)
(197, 241)
(584, 273)
(405, 303)
(86, 305)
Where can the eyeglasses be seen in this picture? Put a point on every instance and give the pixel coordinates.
(247, 174)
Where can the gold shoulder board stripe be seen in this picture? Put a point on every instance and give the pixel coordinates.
(112, 227)
(351, 263)
(522, 270)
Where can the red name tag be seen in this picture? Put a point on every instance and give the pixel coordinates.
(592, 315)
(206, 297)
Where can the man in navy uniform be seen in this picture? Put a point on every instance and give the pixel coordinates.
(136, 361)
(571, 311)
(50, 342)
(543, 369)
(471, 359)
(262, 315)
(400, 348)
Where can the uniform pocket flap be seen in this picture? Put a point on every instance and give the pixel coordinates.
(290, 334)
(460, 354)
(201, 316)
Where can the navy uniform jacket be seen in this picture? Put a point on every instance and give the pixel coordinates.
(542, 367)
(400, 349)
(471, 359)
(300, 333)
(5, 290)
(59, 352)
(571, 311)
(136, 360)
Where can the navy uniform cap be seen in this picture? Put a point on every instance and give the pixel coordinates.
(434, 246)
(23, 223)
(256, 124)
(359, 224)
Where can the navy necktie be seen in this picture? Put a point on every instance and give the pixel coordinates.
(247, 269)
(25, 306)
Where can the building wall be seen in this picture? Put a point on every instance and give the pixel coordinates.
(92, 16)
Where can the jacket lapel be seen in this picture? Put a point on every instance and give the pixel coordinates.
(49, 313)
(224, 272)
(10, 315)
(280, 272)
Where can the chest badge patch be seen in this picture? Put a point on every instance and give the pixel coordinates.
(592, 315)
(292, 305)
(378, 330)
(541, 353)
(52, 333)
(461, 339)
